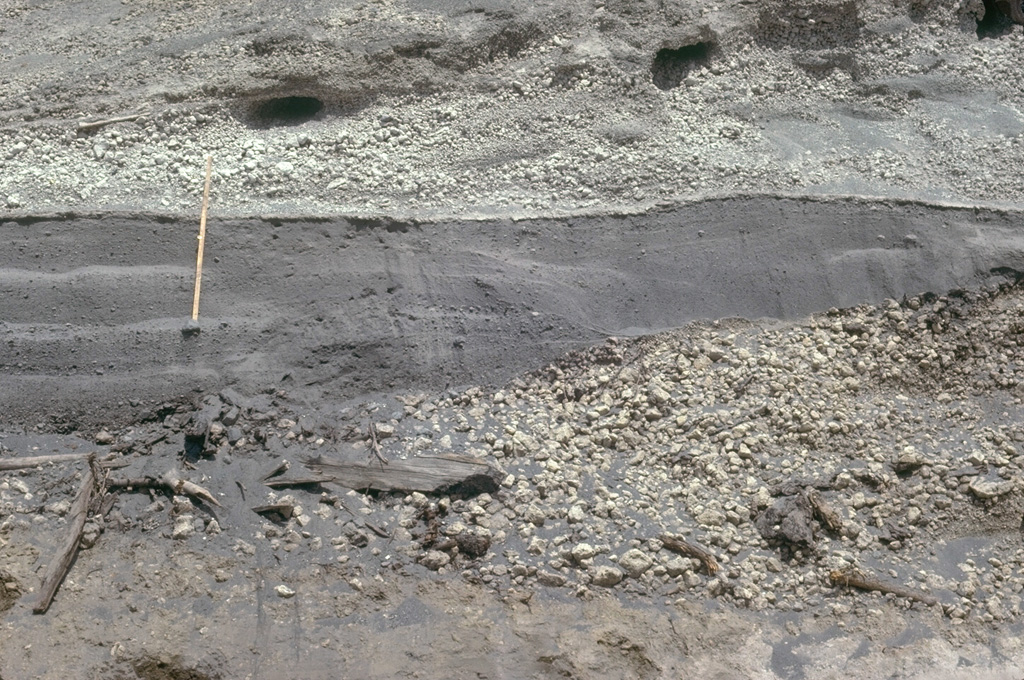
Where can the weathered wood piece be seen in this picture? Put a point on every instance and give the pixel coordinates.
(58, 567)
(197, 429)
(456, 475)
(281, 468)
(35, 461)
(857, 579)
(169, 481)
(96, 124)
(283, 510)
(285, 482)
(824, 513)
(677, 545)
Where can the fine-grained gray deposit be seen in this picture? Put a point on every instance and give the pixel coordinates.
(344, 306)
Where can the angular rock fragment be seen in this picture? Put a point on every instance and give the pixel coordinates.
(606, 576)
(550, 578)
(474, 541)
(985, 490)
(434, 559)
(635, 562)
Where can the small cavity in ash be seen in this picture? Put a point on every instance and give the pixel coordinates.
(286, 110)
(671, 66)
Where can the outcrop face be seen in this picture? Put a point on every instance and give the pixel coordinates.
(724, 295)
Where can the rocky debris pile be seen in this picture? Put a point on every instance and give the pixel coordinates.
(882, 438)
(879, 444)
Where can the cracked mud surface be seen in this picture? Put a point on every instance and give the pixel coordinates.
(504, 230)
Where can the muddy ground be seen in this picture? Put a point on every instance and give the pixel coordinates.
(682, 269)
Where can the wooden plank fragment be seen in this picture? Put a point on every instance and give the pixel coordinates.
(281, 468)
(59, 565)
(457, 475)
(35, 461)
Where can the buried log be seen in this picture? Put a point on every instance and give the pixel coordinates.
(452, 475)
(857, 579)
(59, 566)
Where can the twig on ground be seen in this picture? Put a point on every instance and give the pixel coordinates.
(58, 567)
(169, 481)
(857, 579)
(376, 529)
(85, 126)
(677, 545)
(375, 445)
(202, 240)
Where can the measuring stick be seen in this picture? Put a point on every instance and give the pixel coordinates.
(202, 239)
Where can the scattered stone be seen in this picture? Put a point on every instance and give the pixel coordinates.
(234, 434)
(635, 562)
(474, 541)
(789, 520)
(678, 566)
(284, 591)
(986, 490)
(60, 508)
(90, 534)
(606, 576)
(534, 515)
(583, 551)
(577, 514)
(434, 559)
(551, 579)
(183, 527)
